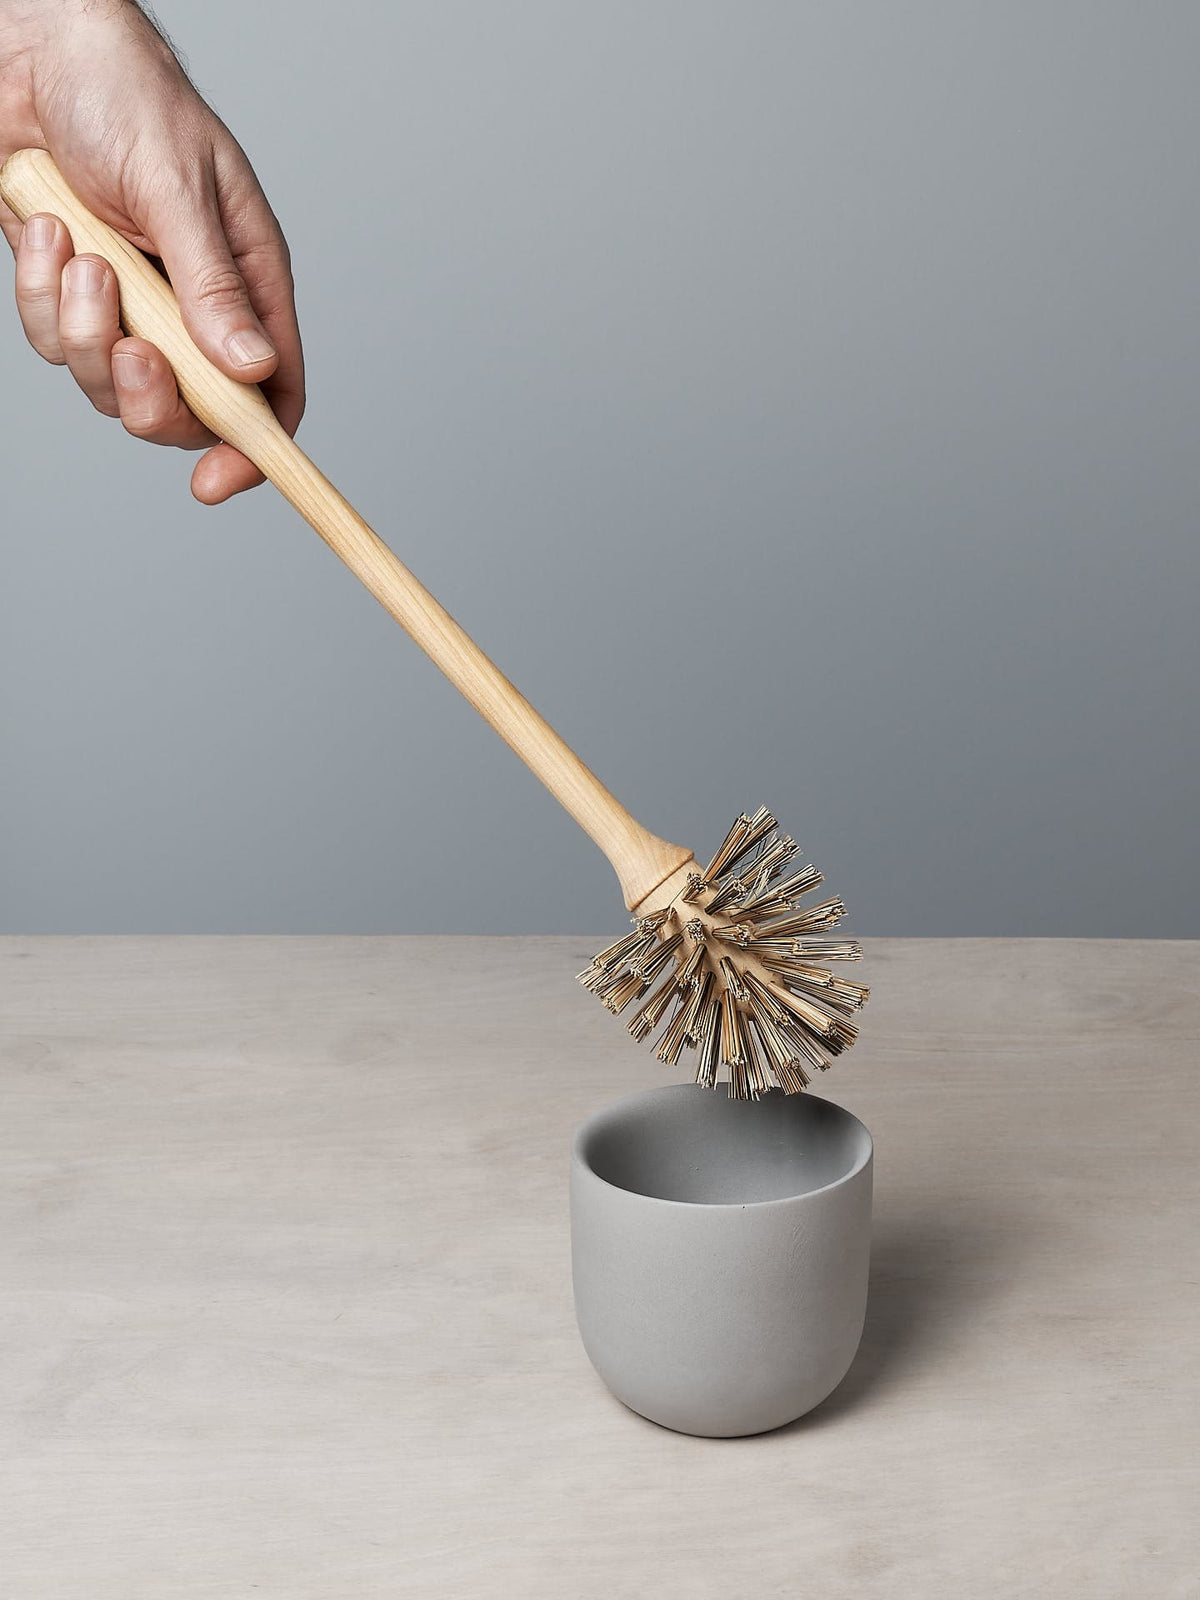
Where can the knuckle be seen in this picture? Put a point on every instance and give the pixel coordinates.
(37, 297)
(219, 289)
(139, 424)
(76, 340)
(270, 266)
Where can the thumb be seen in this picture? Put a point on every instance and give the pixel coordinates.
(212, 293)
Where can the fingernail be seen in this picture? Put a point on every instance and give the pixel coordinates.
(249, 347)
(39, 233)
(130, 371)
(84, 277)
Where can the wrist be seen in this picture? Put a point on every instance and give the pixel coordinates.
(29, 27)
(49, 48)
(26, 28)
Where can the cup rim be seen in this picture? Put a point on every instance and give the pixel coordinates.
(584, 1129)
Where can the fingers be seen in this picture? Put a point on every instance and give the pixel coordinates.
(69, 311)
(149, 400)
(222, 473)
(229, 266)
(88, 326)
(129, 378)
(10, 227)
(43, 249)
(68, 307)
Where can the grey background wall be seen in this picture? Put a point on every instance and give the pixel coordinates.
(799, 402)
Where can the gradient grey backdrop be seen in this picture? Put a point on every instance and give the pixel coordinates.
(798, 401)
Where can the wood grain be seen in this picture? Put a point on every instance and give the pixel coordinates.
(238, 413)
(286, 1308)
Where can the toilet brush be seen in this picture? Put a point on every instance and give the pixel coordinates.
(725, 958)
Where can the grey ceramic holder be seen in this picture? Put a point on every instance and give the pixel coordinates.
(720, 1252)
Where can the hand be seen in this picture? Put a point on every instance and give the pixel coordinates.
(94, 83)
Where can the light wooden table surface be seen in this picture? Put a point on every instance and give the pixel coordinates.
(285, 1301)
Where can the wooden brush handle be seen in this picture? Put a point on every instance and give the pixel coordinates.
(238, 413)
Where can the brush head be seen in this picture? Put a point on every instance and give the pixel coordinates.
(732, 966)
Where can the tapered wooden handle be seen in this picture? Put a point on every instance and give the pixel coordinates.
(238, 413)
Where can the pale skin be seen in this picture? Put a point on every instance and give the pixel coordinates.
(93, 82)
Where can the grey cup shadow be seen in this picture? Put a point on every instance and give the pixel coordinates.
(931, 1271)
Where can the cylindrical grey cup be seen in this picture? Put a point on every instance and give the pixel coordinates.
(720, 1251)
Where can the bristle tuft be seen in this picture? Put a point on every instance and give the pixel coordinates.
(733, 968)
(732, 893)
(729, 844)
(657, 954)
(670, 1046)
(709, 1042)
(733, 980)
(647, 1017)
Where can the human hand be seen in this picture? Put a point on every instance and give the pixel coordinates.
(98, 87)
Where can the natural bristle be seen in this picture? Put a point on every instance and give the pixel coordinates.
(732, 969)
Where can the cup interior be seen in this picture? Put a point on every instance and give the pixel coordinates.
(689, 1144)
